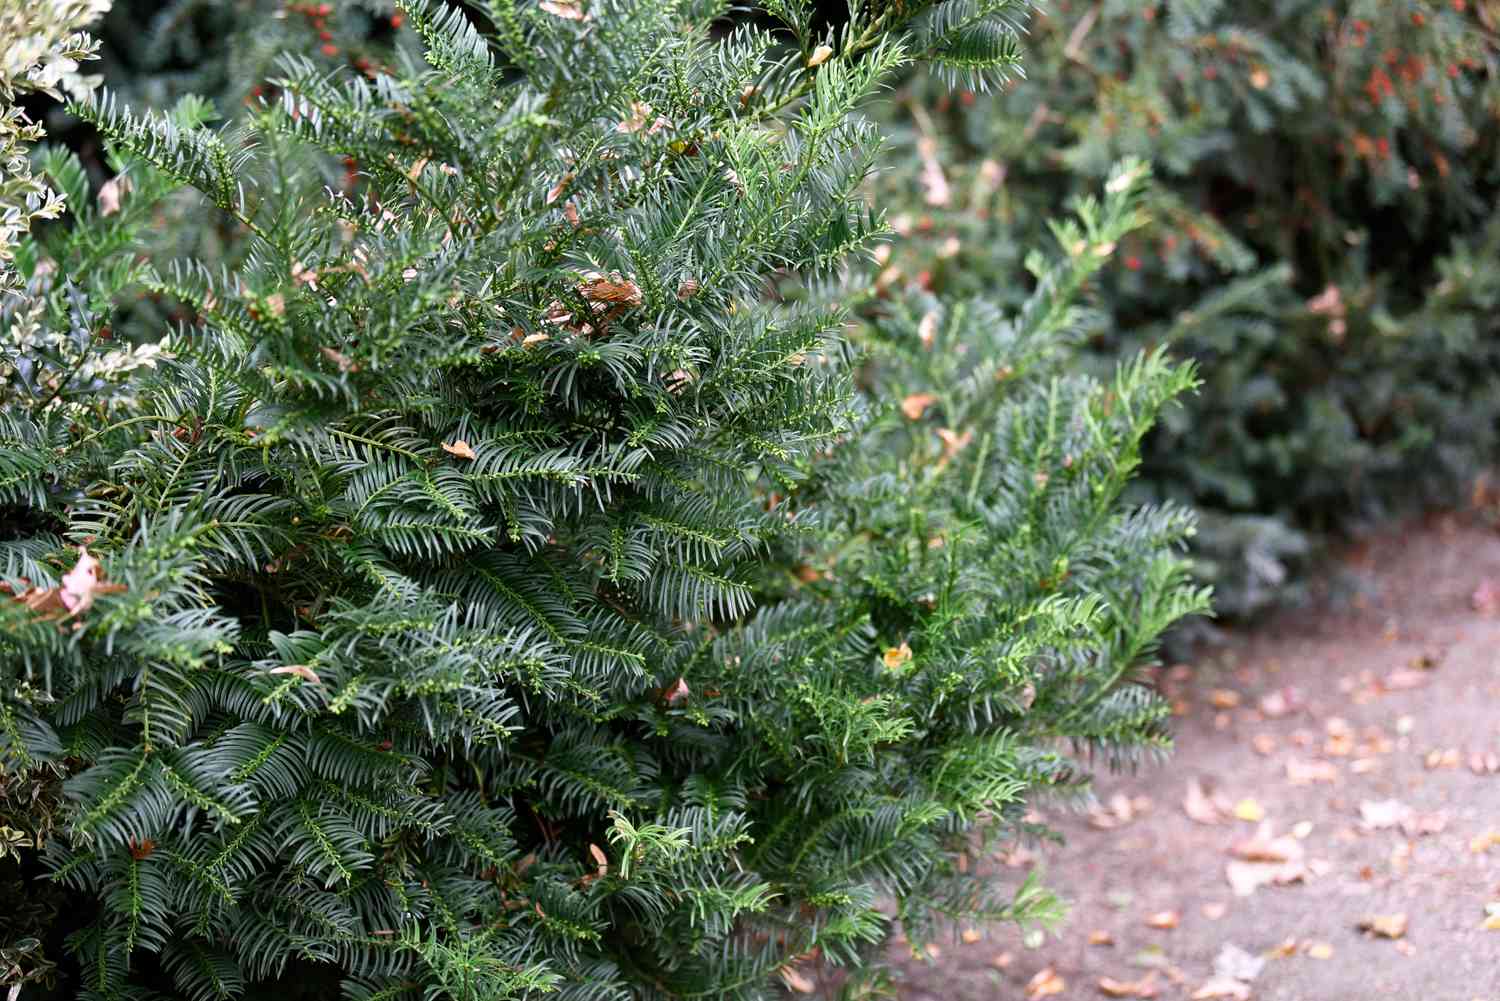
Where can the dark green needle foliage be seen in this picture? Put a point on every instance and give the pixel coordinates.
(523, 574)
(1323, 243)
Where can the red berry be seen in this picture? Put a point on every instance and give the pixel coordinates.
(330, 50)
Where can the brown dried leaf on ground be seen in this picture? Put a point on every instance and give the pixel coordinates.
(1265, 860)
(1142, 988)
(1164, 920)
(1282, 702)
(1199, 806)
(1301, 773)
(1384, 925)
(1416, 825)
(1263, 847)
(1046, 983)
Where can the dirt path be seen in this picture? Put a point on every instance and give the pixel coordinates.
(1367, 737)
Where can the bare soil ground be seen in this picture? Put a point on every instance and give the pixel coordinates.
(1335, 767)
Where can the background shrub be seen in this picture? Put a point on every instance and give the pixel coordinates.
(1323, 243)
(510, 569)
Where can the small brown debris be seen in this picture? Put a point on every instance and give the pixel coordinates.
(1163, 920)
(1384, 925)
(1142, 988)
(459, 449)
(897, 656)
(1301, 773)
(1224, 698)
(797, 981)
(1101, 937)
(1046, 983)
(1282, 702)
(915, 405)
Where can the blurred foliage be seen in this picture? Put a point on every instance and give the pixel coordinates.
(1324, 243)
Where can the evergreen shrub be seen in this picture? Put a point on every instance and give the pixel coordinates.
(539, 562)
(1324, 244)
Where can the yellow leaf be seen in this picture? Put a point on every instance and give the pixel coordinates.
(1250, 810)
(897, 656)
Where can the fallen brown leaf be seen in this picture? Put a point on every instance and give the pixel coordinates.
(1263, 848)
(1384, 925)
(797, 981)
(1418, 825)
(1045, 984)
(1301, 773)
(915, 405)
(1198, 806)
(299, 670)
(459, 449)
(1224, 698)
(1101, 937)
(897, 656)
(1281, 702)
(1142, 988)
(1222, 987)
(1164, 920)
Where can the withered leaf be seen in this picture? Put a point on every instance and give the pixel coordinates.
(797, 981)
(897, 656)
(1384, 925)
(114, 189)
(568, 10)
(459, 449)
(1142, 988)
(915, 405)
(1046, 983)
(300, 670)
